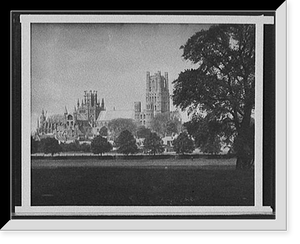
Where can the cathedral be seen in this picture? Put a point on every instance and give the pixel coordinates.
(89, 115)
(76, 125)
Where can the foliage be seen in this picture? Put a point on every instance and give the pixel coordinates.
(209, 134)
(103, 131)
(84, 147)
(75, 147)
(116, 126)
(153, 144)
(34, 145)
(100, 145)
(165, 124)
(126, 143)
(222, 88)
(50, 145)
(70, 147)
(143, 132)
(183, 144)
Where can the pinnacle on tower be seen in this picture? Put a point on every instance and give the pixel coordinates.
(66, 111)
(102, 103)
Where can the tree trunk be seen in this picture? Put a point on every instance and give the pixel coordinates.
(244, 146)
(244, 161)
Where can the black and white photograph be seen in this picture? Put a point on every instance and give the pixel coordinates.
(107, 131)
(149, 116)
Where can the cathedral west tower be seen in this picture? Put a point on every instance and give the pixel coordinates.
(157, 98)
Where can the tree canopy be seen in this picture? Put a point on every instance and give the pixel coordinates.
(143, 132)
(116, 126)
(222, 88)
(165, 124)
(153, 144)
(183, 144)
(50, 145)
(103, 131)
(126, 143)
(100, 145)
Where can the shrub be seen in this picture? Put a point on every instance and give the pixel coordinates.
(100, 145)
(50, 145)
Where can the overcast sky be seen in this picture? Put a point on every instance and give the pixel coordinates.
(68, 59)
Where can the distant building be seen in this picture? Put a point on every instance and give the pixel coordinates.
(71, 126)
(107, 115)
(157, 99)
(89, 115)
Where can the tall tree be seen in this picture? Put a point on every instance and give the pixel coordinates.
(100, 145)
(153, 144)
(222, 87)
(126, 143)
(183, 144)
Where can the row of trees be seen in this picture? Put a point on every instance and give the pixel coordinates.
(125, 143)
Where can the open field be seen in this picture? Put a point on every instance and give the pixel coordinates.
(134, 162)
(198, 182)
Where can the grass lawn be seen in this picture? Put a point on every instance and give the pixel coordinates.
(219, 185)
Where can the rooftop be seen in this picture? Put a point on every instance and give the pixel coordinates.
(107, 115)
